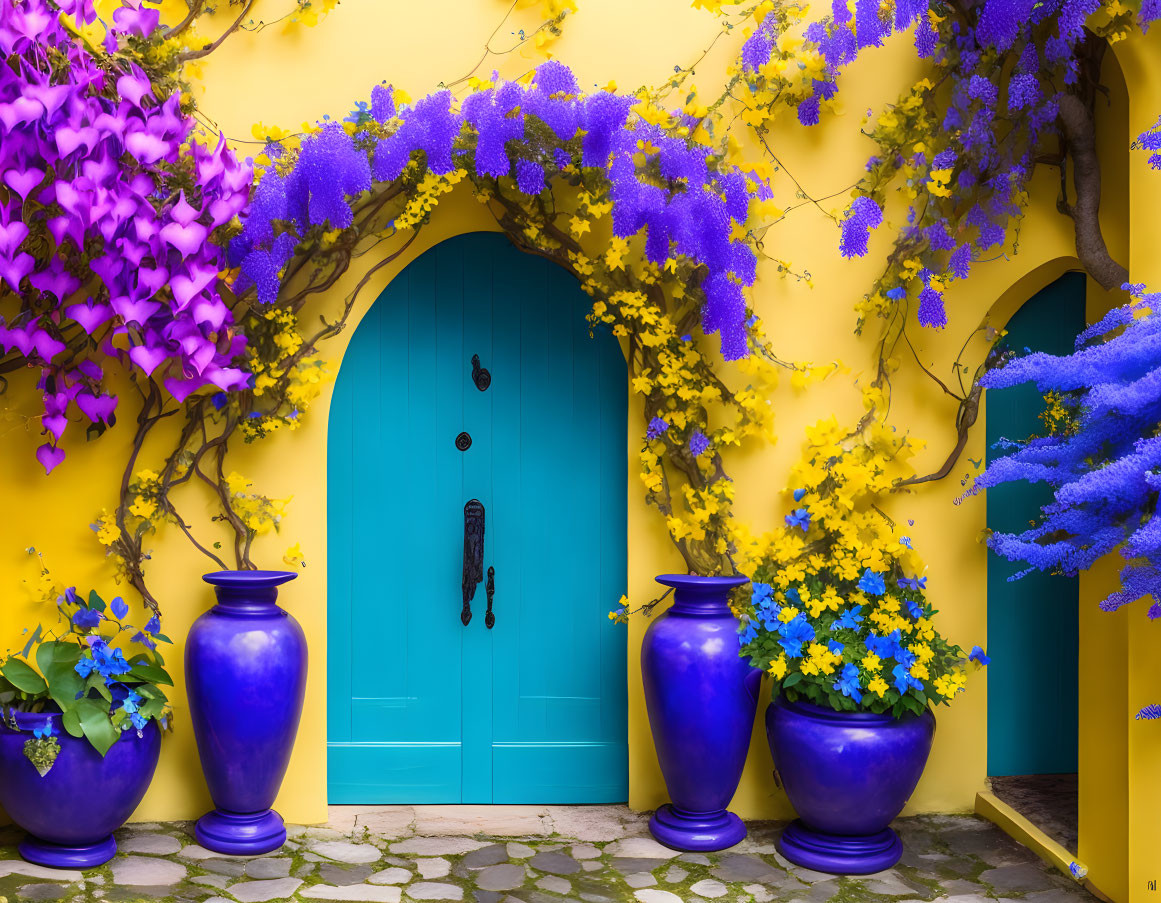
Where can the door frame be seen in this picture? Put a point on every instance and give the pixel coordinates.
(345, 625)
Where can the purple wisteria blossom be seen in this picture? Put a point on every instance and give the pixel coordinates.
(694, 218)
(1105, 471)
(108, 219)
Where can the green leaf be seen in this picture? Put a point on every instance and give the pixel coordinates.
(96, 602)
(97, 682)
(23, 676)
(152, 674)
(792, 679)
(72, 723)
(97, 727)
(63, 684)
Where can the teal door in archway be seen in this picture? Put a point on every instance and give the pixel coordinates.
(421, 707)
(1033, 622)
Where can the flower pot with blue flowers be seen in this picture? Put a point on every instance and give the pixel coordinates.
(80, 733)
(840, 620)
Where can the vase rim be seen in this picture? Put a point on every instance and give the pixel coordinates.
(811, 710)
(249, 579)
(696, 581)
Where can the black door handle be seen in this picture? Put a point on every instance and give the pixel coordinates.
(473, 555)
(489, 618)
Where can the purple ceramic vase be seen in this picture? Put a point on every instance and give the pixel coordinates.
(71, 813)
(245, 672)
(848, 775)
(702, 698)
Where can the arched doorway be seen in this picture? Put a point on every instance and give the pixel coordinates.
(422, 708)
(1033, 622)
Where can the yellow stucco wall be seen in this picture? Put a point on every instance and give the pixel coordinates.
(284, 80)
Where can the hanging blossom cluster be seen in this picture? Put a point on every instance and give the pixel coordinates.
(107, 213)
(961, 146)
(660, 183)
(1103, 460)
(1151, 141)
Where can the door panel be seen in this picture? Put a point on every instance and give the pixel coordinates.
(1033, 622)
(422, 709)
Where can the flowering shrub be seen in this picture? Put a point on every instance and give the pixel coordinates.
(106, 215)
(82, 672)
(1101, 454)
(838, 613)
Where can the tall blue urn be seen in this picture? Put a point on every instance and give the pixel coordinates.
(701, 698)
(848, 775)
(245, 671)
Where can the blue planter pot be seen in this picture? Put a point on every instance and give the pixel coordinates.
(71, 813)
(701, 698)
(245, 670)
(848, 775)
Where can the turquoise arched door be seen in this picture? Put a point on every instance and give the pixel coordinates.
(421, 708)
(1033, 622)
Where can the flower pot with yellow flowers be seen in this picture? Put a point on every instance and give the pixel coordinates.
(840, 619)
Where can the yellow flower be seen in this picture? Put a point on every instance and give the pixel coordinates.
(143, 508)
(293, 556)
(872, 662)
(778, 667)
(788, 614)
(878, 686)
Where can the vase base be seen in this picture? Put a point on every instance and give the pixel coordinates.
(696, 831)
(836, 854)
(59, 856)
(241, 833)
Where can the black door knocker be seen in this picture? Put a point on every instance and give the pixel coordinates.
(481, 377)
(473, 555)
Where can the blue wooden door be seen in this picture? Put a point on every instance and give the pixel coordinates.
(422, 709)
(1033, 622)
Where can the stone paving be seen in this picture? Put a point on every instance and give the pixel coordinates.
(600, 854)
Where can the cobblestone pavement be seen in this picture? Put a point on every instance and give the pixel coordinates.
(532, 855)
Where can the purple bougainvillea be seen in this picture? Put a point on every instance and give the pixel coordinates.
(106, 227)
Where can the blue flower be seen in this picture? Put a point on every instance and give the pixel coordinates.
(1150, 712)
(761, 596)
(748, 635)
(218, 400)
(119, 607)
(914, 608)
(872, 584)
(978, 655)
(906, 540)
(86, 618)
(912, 583)
(884, 646)
(848, 682)
(835, 646)
(798, 494)
(850, 619)
(897, 294)
(154, 626)
(904, 681)
(794, 633)
(657, 426)
(70, 595)
(103, 659)
(800, 518)
(698, 443)
(41, 733)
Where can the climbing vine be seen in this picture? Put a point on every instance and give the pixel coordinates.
(195, 273)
